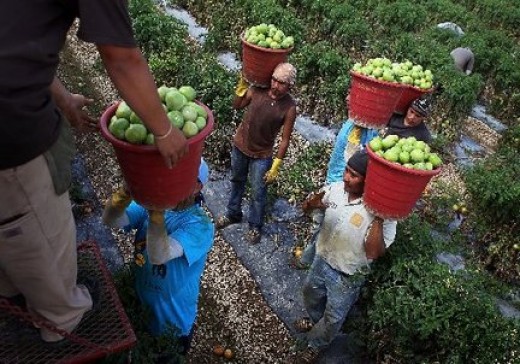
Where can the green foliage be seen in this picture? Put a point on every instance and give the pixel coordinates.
(502, 14)
(346, 24)
(440, 10)
(298, 178)
(421, 312)
(438, 203)
(165, 67)
(494, 186)
(400, 16)
(460, 91)
(155, 31)
(326, 71)
(511, 139)
(400, 30)
(499, 249)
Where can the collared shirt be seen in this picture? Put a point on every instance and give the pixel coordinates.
(341, 240)
(171, 290)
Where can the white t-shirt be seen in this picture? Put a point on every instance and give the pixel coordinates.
(341, 240)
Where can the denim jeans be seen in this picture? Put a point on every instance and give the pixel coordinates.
(243, 166)
(328, 296)
(309, 252)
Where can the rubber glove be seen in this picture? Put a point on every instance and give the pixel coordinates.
(114, 212)
(355, 135)
(242, 87)
(272, 174)
(160, 247)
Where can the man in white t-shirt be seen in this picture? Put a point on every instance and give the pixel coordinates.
(350, 238)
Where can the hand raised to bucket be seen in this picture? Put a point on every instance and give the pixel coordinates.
(172, 146)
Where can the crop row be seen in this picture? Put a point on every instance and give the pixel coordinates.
(331, 35)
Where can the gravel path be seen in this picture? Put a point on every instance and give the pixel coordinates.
(232, 311)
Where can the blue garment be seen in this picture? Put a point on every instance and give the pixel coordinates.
(171, 290)
(337, 162)
(328, 296)
(256, 168)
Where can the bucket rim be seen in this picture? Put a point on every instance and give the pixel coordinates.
(400, 168)
(264, 49)
(142, 148)
(421, 90)
(375, 80)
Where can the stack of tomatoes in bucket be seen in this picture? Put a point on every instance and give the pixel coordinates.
(150, 182)
(399, 169)
(381, 87)
(264, 46)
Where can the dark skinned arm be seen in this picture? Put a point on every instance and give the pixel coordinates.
(314, 201)
(288, 126)
(73, 107)
(130, 74)
(374, 242)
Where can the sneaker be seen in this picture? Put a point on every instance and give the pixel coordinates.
(307, 356)
(224, 221)
(253, 236)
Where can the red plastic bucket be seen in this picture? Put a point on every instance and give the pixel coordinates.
(372, 102)
(258, 63)
(409, 94)
(150, 182)
(392, 190)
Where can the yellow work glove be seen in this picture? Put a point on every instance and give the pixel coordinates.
(116, 206)
(355, 135)
(271, 174)
(242, 87)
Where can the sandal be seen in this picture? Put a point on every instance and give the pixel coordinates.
(303, 324)
(253, 236)
(307, 356)
(224, 221)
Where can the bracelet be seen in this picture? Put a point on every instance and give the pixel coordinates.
(164, 136)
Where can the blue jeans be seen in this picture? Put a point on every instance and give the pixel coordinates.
(328, 296)
(310, 250)
(256, 168)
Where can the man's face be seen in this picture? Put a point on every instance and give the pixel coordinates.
(354, 182)
(413, 118)
(279, 88)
